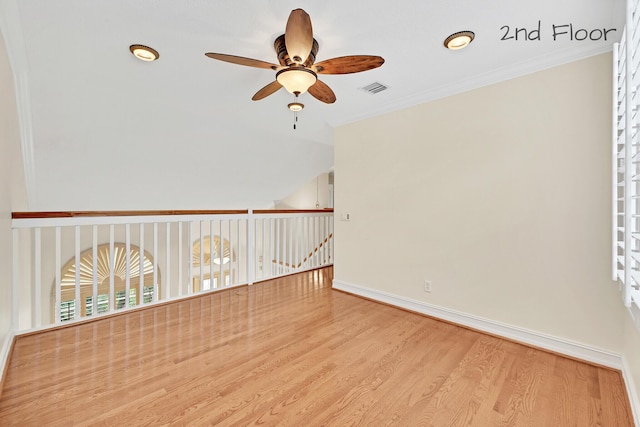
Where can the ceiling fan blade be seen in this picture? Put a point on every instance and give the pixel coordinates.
(267, 90)
(298, 36)
(322, 92)
(348, 64)
(242, 61)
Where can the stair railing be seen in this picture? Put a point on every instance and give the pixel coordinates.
(129, 259)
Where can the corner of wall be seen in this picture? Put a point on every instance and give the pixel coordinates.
(14, 178)
(15, 82)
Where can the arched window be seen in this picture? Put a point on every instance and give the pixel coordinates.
(68, 280)
(219, 246)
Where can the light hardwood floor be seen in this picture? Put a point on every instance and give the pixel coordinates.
(293, 352)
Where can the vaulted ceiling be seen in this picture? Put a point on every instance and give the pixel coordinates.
(103, 130)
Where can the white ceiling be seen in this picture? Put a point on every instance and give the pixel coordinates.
(103, 130)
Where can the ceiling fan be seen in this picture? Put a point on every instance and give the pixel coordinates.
(297, 72)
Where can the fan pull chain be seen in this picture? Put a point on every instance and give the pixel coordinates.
(295, 106)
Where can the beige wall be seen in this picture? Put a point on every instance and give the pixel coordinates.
(12, 193)
(500, 196)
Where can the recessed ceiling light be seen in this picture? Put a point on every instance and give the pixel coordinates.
(459, 40)
(145, 53)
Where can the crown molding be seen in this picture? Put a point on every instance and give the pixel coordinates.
(520, 69)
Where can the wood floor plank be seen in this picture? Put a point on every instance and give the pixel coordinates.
(293, 352)
(614, 401)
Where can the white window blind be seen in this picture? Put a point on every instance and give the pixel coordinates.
(626, 159)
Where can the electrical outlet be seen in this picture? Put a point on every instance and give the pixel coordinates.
(427, 286)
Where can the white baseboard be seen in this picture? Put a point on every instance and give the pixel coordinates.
(526, 336)
(4, 355)
(632, 388)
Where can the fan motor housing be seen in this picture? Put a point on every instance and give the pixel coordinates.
(283, 55)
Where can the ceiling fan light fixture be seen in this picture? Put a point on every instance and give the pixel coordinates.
(296, 80)
(144, 53)
(296, 106)
(459, 40)
(296, 70)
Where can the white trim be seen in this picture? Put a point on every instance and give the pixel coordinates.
(634, 399)
(23, 100)
(4, 353)
(540, 63)
(537, 339)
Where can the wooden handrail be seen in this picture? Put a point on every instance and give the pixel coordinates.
(285, 211)
(77, 214)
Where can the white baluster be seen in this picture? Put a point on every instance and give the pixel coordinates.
(94, 291)
(77, 311)
(202, 256)
(271, 256)
(167, 273)
(38, 277)
(221, 282)
(230, 250)
(190, 252)
(58, 274)
(112, 261)
(250, 238)
(290, 243)
(211, 254)
(15, 294)
(127, 276)
(156, 288)
(141, 260)
(180, 256)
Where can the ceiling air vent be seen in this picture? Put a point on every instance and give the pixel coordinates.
(374, 88)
